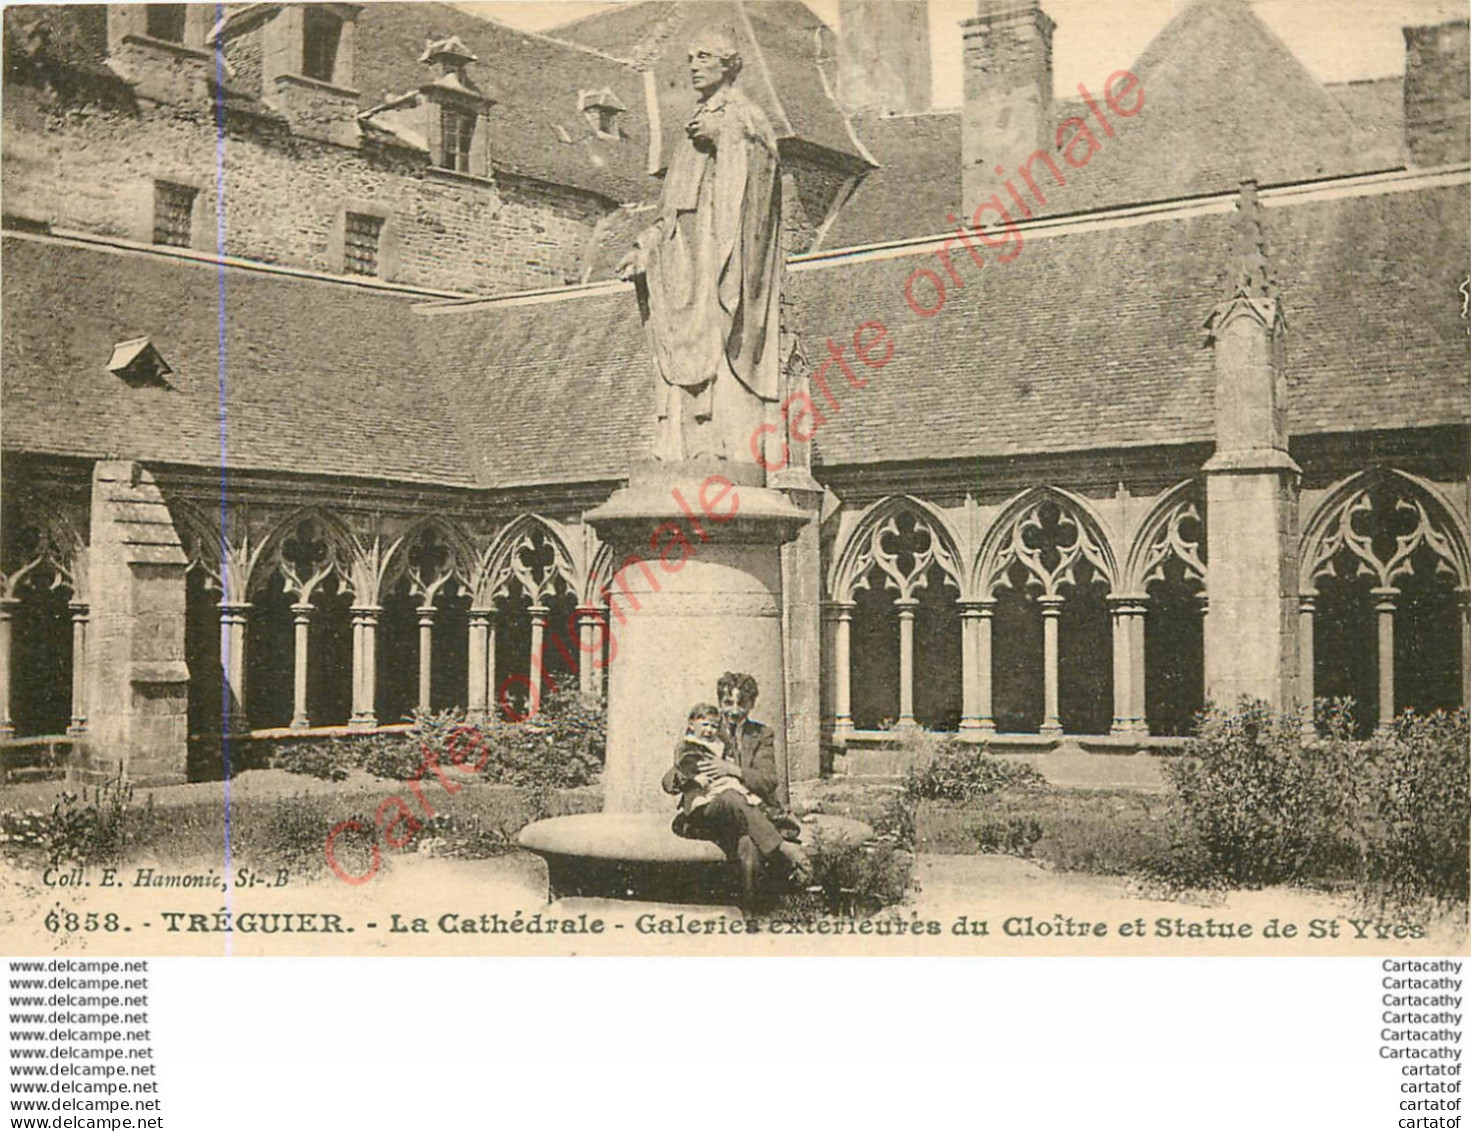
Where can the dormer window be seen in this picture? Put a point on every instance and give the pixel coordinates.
(166, 22)
(321, 37)
(601, 109)
(457, 131)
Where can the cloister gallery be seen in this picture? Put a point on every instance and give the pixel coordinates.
(276, 463)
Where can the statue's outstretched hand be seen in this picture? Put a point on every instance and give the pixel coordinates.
(631, 266)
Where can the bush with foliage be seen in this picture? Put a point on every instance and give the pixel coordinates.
(561, 747)
(100, 825)
(1009, 836)
(1388, 814)
(329, 760)
(960, 771)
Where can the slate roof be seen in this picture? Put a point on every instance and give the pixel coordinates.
(535, 128)
(783, 49)
(318, 377)
(917, 183)
(1094, 339)
(1225, 99)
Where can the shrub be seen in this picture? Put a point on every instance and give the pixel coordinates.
(330, 761)
(852, 880)
(292, 834)
(1011, 836)
(1389, 814)
(98, 826)
(959, 771)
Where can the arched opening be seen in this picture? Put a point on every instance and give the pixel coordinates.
(329, 684)
(269, 656)
(1174, 651)
(937, 674)
(202, 654)
(875, 658)
(398, 650)
(1016, 651)
(1084, 640)
(41, 661)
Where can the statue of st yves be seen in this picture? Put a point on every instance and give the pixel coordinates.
(711, 271)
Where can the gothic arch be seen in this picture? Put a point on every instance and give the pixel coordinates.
(866, 548)
(1005, 544)
(517, 553)
(1166, 533)
(337, 553)
(458, 567)
(1334, 528)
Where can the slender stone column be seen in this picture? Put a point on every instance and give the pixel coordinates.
(426, 657)
(984, 704)
(365, 667)
(588, 619)
(233, 621)
(302, 618)
(535, 669)
(1384, 606)
(1138, 723)
(80, 615)
(1465, 598)
(970, 676)
(1123, 668)
(1307, 606)
(8, 605)
(843, 673)
(479, 682)
(1051, 612)
(906, 606)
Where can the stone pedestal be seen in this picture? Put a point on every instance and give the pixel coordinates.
(696, 592)
(137, 679)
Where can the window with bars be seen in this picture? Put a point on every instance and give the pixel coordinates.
(166, 22)
(457, 129)
(321, 35)
(173, 213)
(361, 236)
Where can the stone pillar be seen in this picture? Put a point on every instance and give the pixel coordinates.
(234, 622)
(1251, 487)
(588, 619)
(536, 666)
(1123, 668)
(137, 678)
(682, 618)
(1465, 598)
(843, 673)
(801, 591)
(8, 605)
(301, 617)
(1051, 612)
(1138, 611)
(476, 699)
(970, 676)
(906, 607)
(983, 667)
(1384, 605)
(79, 613)
(364, 667)
(1307, 606)
(426, 657)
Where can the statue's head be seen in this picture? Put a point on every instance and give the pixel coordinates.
(714, 59)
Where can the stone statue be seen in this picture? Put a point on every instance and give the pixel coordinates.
(709, 271)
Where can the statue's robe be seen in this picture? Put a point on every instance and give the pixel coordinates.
(713, 267)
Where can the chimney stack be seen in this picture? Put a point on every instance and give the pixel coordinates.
(1438, 93)
(884, 56)
(1007, 115)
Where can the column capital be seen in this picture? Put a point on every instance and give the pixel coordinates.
(978, 607)
(1384, 598)
(906, 607)
(426, 615)
(1307, 602)
(80, 610)
(302, 612)
(838, 610)
(8, 605)
(1051, 606)
(481, 616)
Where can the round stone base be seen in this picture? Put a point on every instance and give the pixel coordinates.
(638, 856)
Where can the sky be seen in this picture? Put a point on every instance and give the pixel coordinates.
(1338, 40)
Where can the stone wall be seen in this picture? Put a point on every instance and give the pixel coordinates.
(91, 169)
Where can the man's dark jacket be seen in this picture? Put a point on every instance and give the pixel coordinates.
(754, 750)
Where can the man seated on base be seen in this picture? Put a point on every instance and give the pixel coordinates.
(725, 774)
